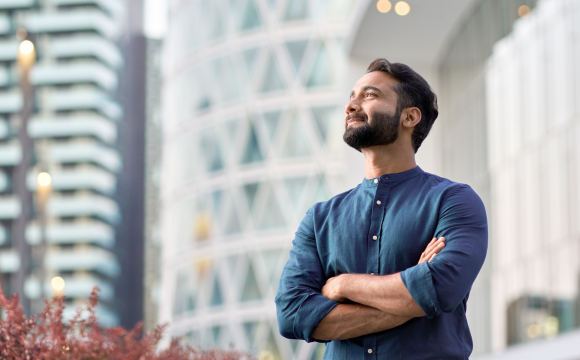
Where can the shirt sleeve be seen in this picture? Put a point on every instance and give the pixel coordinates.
(300, 306)
(442, 284)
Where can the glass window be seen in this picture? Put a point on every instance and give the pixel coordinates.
(252, 153)
(251, 19)
(296, 143)
(296, 50)
(250, 190)
(324, 117)
(272, 217)
(216, 296)
(251, 290)
(322, 73)
(215, 332)
(271, 120)
(250, 329)
(273, 79)
(271, 260)
(295, 188)
(297, 10)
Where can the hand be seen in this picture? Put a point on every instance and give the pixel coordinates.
(331, 290)
(432, 249)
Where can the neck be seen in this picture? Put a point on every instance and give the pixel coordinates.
(387, 159)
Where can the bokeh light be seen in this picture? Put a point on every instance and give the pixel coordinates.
(384, 6)
(26, 47)
(524, 11)
(44, 179)
(402, 8)
(57, 283)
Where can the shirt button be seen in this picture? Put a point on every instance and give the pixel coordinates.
(370, 351)
(375, 237)
(376, 181)
(378, 202)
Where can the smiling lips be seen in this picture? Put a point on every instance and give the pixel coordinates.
(349, 122)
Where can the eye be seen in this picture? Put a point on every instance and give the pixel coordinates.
(370, 94)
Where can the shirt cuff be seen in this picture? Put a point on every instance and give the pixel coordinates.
(419, 282)
(311, 312)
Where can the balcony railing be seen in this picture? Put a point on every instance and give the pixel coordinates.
(85, 152)
(74, 74)
(71, 21)
(92, 259)
(91, 232)
(90, 125)
(87, 45)
(84, 205)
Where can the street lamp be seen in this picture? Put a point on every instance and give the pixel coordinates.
(26, 59)
(57, 283)
(43, 188)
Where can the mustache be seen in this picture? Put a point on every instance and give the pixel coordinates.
(360, 115)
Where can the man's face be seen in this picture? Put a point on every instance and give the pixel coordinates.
(372, 116)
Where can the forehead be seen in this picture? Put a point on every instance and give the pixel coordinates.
(378, 79)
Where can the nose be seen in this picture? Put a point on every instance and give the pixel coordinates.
(352, 106)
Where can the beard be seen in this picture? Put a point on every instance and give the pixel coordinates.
(382, 130)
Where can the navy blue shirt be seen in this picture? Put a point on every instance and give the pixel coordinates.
(405, 211)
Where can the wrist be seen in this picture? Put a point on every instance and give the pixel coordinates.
(344, 285)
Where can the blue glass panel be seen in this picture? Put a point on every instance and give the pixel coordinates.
(296, 50)
(252, 153)
(296, 143)
(250, 330)
(216, 297)
(250, 190)
(215, 332)
(324, 117)
(272, 217)
(295, 188)
(297, 10)
(251, 290)
(322, 73)
(273, 79)
(271, 120)
(251, 19)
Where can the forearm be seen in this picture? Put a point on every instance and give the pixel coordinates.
(386, 293)
(353, 320)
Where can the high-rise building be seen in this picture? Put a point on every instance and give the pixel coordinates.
(70, 126)
(252, 130)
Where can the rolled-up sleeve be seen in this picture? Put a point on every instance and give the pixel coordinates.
(442, 284)
(300, 306)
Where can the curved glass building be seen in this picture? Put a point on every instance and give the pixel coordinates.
(253, 95)
(252, 91)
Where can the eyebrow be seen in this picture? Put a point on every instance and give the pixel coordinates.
(368, 87)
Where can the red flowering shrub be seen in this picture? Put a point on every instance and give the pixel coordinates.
(46, 337)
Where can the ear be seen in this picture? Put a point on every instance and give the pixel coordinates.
(411, 117)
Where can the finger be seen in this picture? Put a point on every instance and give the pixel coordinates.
(436, 249)
(431, 245)
(432, 257)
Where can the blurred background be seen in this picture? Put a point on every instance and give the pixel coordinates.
(166, 151)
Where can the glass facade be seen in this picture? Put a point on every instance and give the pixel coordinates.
(251, 139)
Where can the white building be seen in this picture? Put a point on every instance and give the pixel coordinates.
(252, 137)
(74, 127)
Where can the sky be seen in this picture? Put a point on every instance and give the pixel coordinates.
(155, 18)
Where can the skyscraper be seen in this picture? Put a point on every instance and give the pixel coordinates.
(77, 109)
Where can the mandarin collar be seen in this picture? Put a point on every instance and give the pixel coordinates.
(391, 178)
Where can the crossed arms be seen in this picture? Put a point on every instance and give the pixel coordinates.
(382, 302)
(309, 306)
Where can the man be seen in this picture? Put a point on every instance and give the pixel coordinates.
(383, 271)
